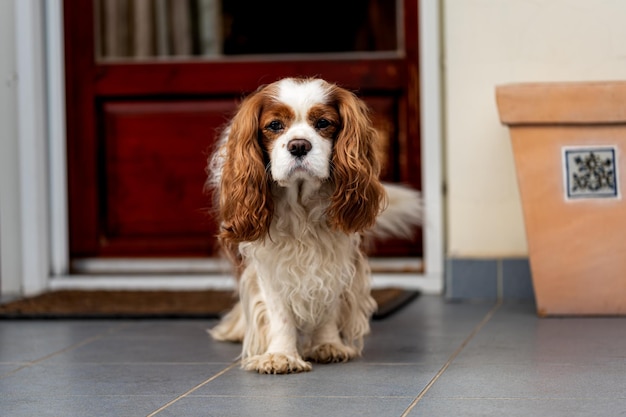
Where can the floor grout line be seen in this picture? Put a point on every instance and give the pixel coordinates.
(66, 349)
(452, 357)
(194, 389)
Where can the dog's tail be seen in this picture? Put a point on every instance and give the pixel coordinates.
(402, 215)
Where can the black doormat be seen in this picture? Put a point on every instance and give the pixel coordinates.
(205, 304)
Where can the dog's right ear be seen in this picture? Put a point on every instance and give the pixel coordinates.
(245, 200)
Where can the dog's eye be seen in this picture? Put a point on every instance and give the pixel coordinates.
(274, 126)
(322, 124)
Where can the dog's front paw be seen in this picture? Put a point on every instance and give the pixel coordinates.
(276, 363)
(331, 353)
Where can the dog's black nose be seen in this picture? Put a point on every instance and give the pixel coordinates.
(299, 147)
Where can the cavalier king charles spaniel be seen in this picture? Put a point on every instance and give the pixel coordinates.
(295, 179)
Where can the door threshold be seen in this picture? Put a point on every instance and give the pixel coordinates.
(199, 274)
(202, 266)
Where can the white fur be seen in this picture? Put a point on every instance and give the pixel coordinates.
(301, 96)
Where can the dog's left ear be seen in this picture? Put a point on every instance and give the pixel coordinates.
(359, 196)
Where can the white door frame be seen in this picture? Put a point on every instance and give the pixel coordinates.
(43, 189)
(32, 258)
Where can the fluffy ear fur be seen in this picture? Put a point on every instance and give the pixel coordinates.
(245, 200)
(359, 195)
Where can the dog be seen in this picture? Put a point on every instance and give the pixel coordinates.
(295, 177)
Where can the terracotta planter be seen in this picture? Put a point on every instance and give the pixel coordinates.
(569, 146)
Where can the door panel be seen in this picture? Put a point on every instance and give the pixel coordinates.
(155, 153)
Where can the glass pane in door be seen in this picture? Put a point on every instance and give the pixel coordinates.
(218, 29)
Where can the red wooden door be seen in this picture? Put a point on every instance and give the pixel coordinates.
(140, 129)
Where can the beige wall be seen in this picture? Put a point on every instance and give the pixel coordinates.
(491, 42)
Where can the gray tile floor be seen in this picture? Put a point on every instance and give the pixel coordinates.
(433, 358)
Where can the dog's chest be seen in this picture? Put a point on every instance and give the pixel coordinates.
(308, 271)
(303, 263)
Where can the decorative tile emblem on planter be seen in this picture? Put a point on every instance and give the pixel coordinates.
(590, 172)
